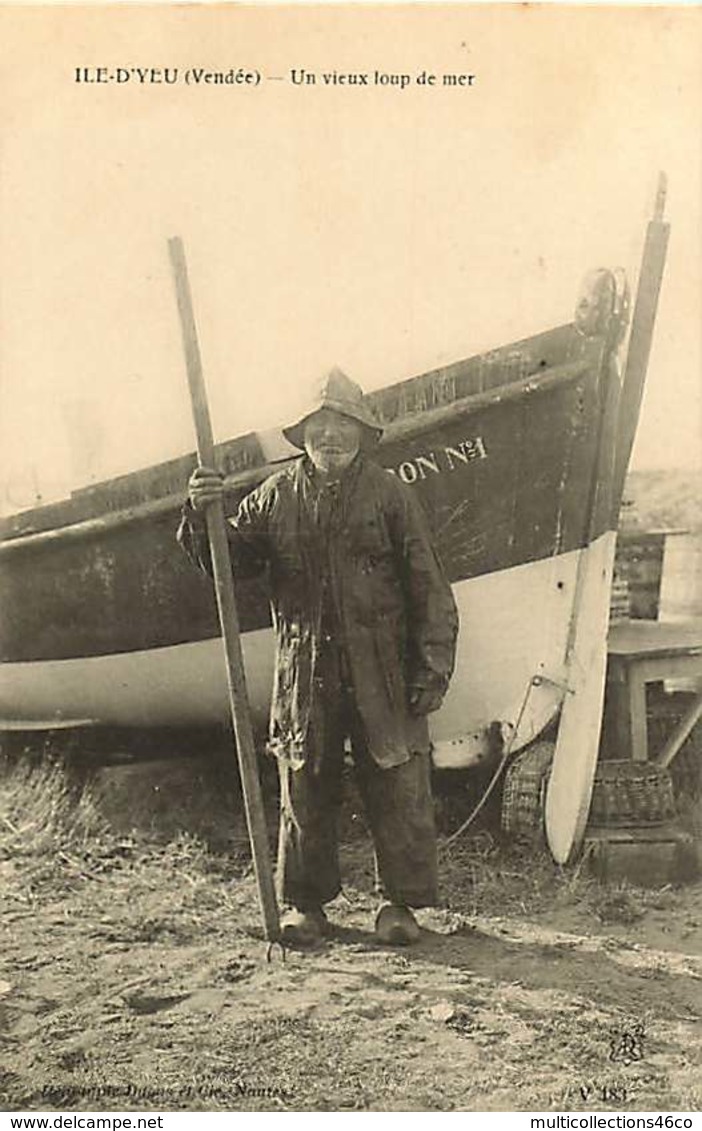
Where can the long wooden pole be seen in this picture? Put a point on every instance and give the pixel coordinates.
(226, 605)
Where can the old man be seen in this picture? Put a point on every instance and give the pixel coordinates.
(366, 627)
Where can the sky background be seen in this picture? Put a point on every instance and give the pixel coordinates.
(384, 230)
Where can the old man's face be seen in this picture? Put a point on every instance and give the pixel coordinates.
(331, 440)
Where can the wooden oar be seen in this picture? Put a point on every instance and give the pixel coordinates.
(226, 605)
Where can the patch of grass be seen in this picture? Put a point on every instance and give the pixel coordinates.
(489, 871)
(42, 806)
(619, 904)
(52, 830)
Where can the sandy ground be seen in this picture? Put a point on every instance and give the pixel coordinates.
(134, 977)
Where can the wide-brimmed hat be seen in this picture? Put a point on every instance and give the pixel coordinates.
(339, 393)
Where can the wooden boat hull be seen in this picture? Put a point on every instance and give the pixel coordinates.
(184, 684)
(107, 622)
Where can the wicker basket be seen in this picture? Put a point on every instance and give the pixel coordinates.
(625, 793)
(524, 792)
(631, 793)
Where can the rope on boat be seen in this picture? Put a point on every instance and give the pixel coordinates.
(506, 755)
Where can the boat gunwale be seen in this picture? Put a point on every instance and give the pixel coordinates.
(416, 421)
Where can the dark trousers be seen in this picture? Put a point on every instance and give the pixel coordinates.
(398, 807)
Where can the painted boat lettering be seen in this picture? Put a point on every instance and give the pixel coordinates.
(436, 463)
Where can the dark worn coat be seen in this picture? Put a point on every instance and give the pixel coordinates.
(393, 609)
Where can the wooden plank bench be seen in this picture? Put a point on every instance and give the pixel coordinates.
(641, 652)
